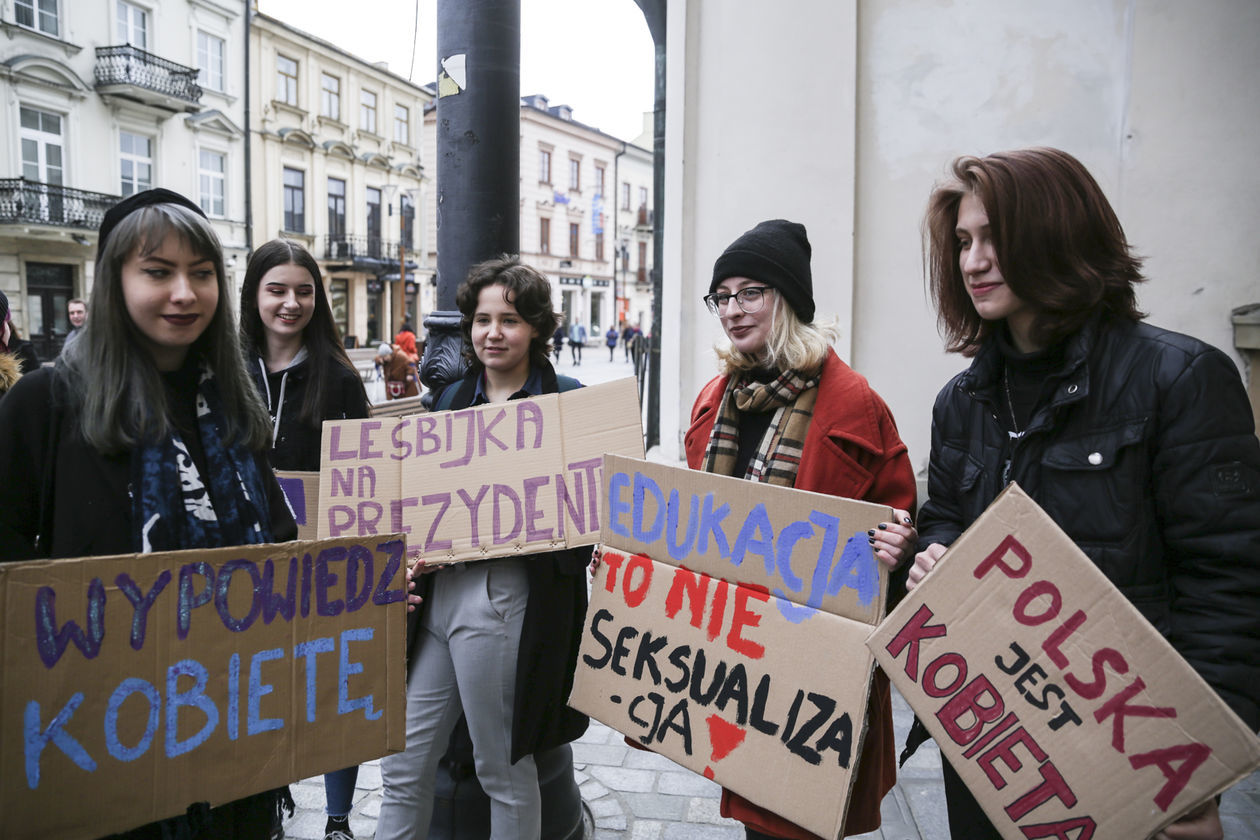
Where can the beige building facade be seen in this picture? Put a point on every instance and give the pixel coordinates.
(843, 115)
(100, 100)
(338, 167)
(585, 216)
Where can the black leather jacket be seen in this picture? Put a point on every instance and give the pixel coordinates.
(1147, 456)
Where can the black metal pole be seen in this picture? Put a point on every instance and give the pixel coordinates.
(478, 161)
(654, 13)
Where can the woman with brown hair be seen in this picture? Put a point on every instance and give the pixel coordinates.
(1139, 442)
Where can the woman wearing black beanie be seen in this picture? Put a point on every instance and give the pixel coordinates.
(786, 410)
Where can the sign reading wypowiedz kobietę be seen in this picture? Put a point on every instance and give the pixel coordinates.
(1066, 713)
(726, 630)
(491, 481)
(135, 686)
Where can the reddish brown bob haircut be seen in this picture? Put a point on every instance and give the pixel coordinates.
(1059, 245)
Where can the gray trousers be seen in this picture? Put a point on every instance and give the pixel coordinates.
(467, 662)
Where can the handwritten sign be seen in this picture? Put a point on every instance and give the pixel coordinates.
(301, 492)
(135, 686)
(1063, 710)
(492, 481)
(726, 631)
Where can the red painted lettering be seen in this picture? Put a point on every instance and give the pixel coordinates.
(997, 557)
(1093, 690)
(1119, 706)
(1186, 757)
(930, 686)
(742, 617)
(692, 584)
(966, 706)
(915, 630)
(1054, 642)
(635, 594)
(1053, 786)
(1004, 750)
(1030, 595)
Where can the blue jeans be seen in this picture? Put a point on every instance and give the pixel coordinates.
(339, 791)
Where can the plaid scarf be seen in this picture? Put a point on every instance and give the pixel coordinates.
(791, 397)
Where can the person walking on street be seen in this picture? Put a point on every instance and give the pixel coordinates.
(557, 339)
(76, 311)
(610, 338)
(577, 340)
(628, 333)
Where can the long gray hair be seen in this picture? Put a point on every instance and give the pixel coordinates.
(112, 378)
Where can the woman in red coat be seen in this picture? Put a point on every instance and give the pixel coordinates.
(787, 411)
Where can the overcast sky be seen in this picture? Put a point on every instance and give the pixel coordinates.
(595, 55)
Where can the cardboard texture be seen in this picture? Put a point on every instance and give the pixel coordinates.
(134, 686)
(493, 481)
(301, 491)
(725, 632)
(1065, 712)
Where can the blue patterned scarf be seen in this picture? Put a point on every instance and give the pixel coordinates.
(172, 506)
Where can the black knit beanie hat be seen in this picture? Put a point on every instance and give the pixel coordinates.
(775, 252)
(132, 203)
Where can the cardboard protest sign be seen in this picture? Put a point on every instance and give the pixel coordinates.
(135, 686)
(301, 490)
(497, 480)
(1064, 711)
(726, 631)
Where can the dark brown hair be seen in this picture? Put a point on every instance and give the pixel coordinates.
(320, 337)
(1059, 245)
(525, 288)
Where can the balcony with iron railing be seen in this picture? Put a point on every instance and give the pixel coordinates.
(367, 253)
(131, 73)
(24, 202)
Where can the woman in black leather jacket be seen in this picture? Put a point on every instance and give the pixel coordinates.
(1138, 441)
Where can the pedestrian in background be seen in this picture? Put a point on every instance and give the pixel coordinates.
(76, 311)
(1139, 442)
(398, 362)
(147, 435)
(787, 411)
(498, 639)
(628, 333)
(577, 340)
(610, 338)
(558, 337)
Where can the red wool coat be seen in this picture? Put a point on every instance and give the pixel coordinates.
(852, 449)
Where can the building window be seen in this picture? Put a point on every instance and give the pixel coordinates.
(402, 125)
(40, 15)
(625, 196)
(367, 111)
(544, 166)
(544, 236)
(408, 220)
(599, 247)
(642, 257)
(286, 80)
(212, 177)
(294, 200)
(136, 159)
(643, 197)
(599, 179)
(575, 174)
(329, 97)
(133, 25)
(374, 221)
(41, 147)
(336, 208)
(575, 231)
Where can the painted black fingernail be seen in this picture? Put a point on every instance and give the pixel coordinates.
(870, 533)
(883, 526)
(871, 541)
(909, 521)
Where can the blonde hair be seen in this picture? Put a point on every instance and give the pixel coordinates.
(791, 345)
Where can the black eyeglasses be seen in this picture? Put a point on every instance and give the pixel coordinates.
(750, 299)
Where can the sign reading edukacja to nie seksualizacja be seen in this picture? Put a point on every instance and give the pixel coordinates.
(135, 686)
(1065, 712)
(726, 631)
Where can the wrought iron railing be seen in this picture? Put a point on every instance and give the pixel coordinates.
(30, 202)
(128, 65)
(347, 247)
